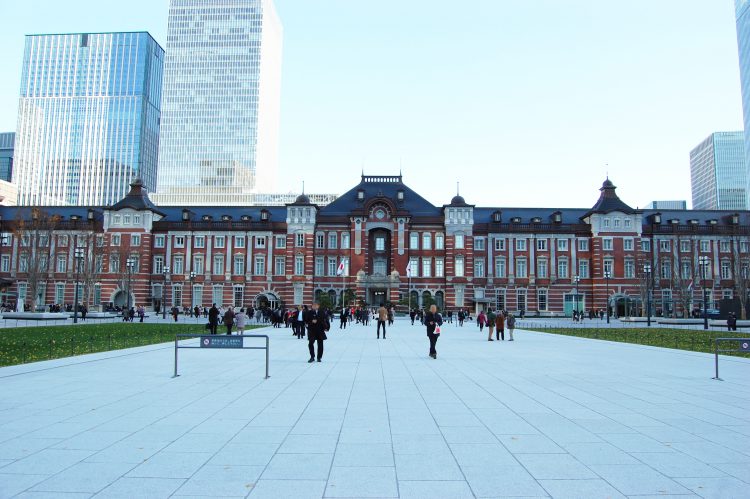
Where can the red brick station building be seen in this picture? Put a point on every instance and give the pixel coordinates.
(543, 261)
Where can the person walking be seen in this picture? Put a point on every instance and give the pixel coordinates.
(141, 313)
(412, 315)
(500, 326)
(511, 326)
(382, 317)
(213, 318)
(317, 325)
(343, 318)
(298, 322)
(240, 319)
(491, 318)
(732, 322)
(481, 320)
(175, 313)
(228, 319)
(433, 321)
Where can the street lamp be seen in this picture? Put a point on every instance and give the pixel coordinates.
(704, 263)
(607, 275)
(647, 271)
(577, 279)
(192, 290)
(130, 265)
(78, 255)
(164, 271)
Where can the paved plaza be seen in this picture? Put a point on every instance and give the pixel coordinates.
(543, 416)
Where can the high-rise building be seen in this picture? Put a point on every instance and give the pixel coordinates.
(7, 141)
(667, 205)
(88, 117)
(743, 46)
(718, 173)
(220, 114)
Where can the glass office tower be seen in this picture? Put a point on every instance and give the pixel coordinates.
(88, 117)
(718, 173)
(7, 141)
(743, 45)
(220, 114)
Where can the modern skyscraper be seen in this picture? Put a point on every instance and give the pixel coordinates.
(220, 114)
(7, 141)
(88, 117)
(743, 46)
(718, 173)
(667, 205)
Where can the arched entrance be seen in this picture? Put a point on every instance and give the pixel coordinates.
(120, 299)
(625, 305)
(440, 300)
(267, 300)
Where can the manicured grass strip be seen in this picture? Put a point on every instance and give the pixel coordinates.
(31, 344)
(681, 339)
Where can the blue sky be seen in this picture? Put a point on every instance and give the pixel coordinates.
(523, 102)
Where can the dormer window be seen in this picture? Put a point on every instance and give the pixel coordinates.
(226, 218)
(674, 221)
(360, 195)
(557, 217)
(497, 216)
(693, 221)
(185, 215)
(74, 217)
(206, 218)
(713, 222)
(735, 219)
(400, 195)
(656, 218)
(516, 220)
(245, 218)
(536, 220)
(264, 215)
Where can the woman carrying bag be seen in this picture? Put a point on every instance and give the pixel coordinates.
(433, 321)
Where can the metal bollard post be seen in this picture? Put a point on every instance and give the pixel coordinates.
(175, 356)
(267, 346)
(716, 360)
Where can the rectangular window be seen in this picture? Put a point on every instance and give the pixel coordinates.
(158, 264)
(299, 265)
(500, 299)
(99, 264)
(617, 223)
(479, 244)
(542, 268)
(459, 266)
(684, 246)
(686, 271)
(439, 242)
(439, 267)
(135, 240)
(159, 241)
(299, 240)
(745, 246)
(628, 223)
(414, 267)
(608, 244)
(562, 269)
(520, 244)
(501, 269)
(665, 246)
(239, 264)
(627, 244)
(727, 294)
(260, 242)
(5, 263)
(238, 296)
(629, 268)
(178, 265)
(199, 266)
(218, 264)
(320, 241)
(116, 239)
(724, 246)
(609, 267)
(426, 267)
(332, 266)
(114, 263)
(319, 266)
(179, 241)
(380, 243)
(542, 300)
(279, 265)
(333, 240)
(426, 241)
(562, 245)
(220, 242)
(239, 241)
(346, 266)
(59, 293)
(126, 220)
(666, 269)
(62, 240)
(197, 296)
(260, 265)
(217, 295)
(522, 270)
(97, 294)
(705, 246)
(478, 267)
(23, 263)
(459, 238)
(583, 245)
(606, 223)
(646, 245)
(583, 269)
(345, 244)
(100, 241)
(62, 263)
(541, 245)
(281, 241)
(499, 244)
(726, 271)
(521, 299)
(414, 241)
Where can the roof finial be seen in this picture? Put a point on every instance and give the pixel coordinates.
(458, 188)
(607, 167)
(303, 187)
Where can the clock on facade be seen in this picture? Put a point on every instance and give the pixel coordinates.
(379, 214)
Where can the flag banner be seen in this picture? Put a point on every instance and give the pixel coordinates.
(341, 268)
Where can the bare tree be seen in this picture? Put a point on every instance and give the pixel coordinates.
(682, 282)
(115, 258)
(92, 264)
(741, 273)
(36, 251)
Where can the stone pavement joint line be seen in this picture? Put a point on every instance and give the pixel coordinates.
(544, 416)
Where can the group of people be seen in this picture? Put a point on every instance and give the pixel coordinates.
(129, 314)
(497, 322)
(229, 318)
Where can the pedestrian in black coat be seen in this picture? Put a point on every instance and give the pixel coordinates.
(317, 325)
(213, 318)
(433, 321)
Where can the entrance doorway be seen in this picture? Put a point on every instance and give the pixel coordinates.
(379, 296)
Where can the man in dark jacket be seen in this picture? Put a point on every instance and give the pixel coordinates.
(213, 318)
(433, 321)
(317, 325)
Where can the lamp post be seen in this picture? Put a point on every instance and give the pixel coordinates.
(704, 263)
(647, 271)
(78, 256)
(607, 275)
(577, 279)
(192, 291)
(164, 271)
(130, 265)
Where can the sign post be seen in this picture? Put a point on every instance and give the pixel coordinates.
(219, 342)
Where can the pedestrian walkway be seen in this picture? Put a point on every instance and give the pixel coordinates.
(543, 416)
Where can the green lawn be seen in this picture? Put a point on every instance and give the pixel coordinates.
(682, 339)
(31, 344)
